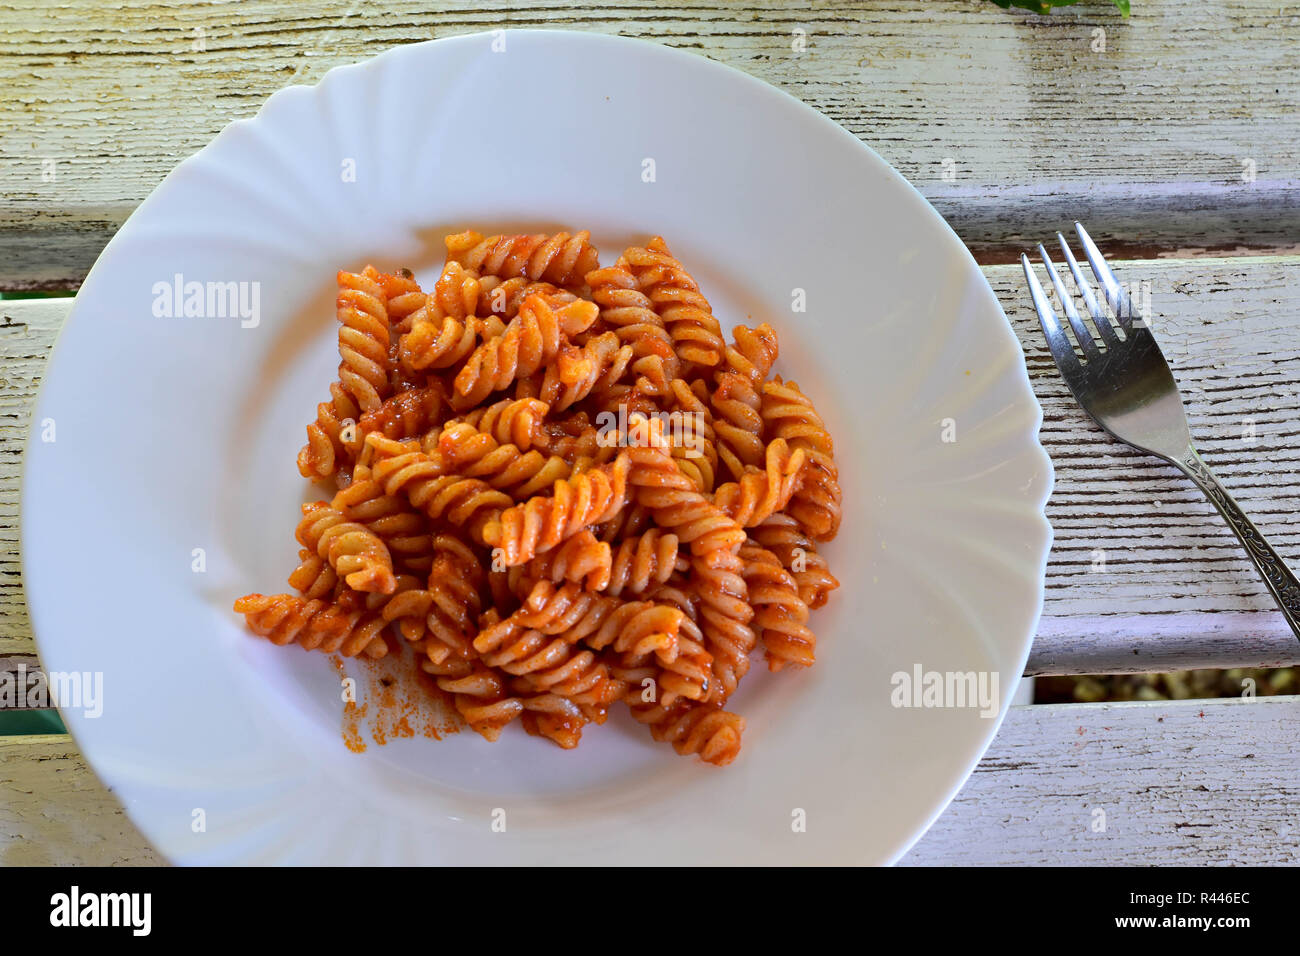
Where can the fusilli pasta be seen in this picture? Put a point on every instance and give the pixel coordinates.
(563, 259)
(356, 553)
(560, 487)
(789, 415)
(533, 338)
(313, 624)
(363, 337)
(676, 299)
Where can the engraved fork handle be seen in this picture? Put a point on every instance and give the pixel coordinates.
(1282, 584)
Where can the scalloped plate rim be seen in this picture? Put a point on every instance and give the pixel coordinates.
(1032, 442)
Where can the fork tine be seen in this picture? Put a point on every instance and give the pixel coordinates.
(1099, 316)
(1081, 332)
(1059, 345)
(1115, 295)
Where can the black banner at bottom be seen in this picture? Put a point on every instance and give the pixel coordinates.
(333, 906)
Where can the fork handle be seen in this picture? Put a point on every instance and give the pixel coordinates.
(1282, 584)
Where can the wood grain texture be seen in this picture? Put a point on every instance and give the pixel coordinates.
(1143, 575)
(1144, 140)
(55, 812)
(27, 333)
(22, 676)
(1191, 783)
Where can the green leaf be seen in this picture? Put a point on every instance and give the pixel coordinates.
(1045, 6)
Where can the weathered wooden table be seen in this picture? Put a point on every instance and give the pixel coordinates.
(1175, 135)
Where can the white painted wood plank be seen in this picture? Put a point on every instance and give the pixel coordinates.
(27, 333)
(55, 812)
(1145, 140)
(1191, 783)
(1175, 591)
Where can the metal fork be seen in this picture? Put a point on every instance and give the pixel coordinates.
(1124, 383)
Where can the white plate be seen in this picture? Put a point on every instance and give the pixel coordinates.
(174, 434)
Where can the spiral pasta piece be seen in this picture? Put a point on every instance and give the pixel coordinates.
(678, 505)
(562, 259)
(363, 337)
(455, 589)
(326, 452)
(314, 577)
(707, 731)
(581, 560)
(578, 372)
(479, 694)
(591, 691)
(630, 313)
(653, 680)
(455, 295)
(562, 728)
(475, 454)
(639, 629)
(503, 297)
(403, 530)
(423, 479)
(780, 615)
(437, 345)
(357, 554)
(633, 631)
(532, 338)
(571, 614)
(725, 612)
(738, 423)
(554, 666)
(446, 328)
(790, 415)
(406, 610)
(736, 400)
(511, 421)
(642, 562)
(403, 297)
(760, 494)
(408, 414)
(752, 353)
(313, 624)
(676, 298)
(783, 536)
(689, 675)
(542, 522)
(567, 609)
(696, 452)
